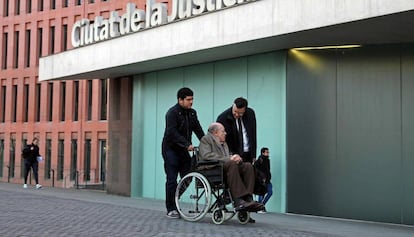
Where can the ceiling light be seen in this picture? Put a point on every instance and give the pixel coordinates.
(329, 47)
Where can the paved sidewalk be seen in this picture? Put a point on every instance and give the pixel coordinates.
(69, 212)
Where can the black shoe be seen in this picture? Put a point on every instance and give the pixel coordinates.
(240, 204)
(251, 220)
(257, 206)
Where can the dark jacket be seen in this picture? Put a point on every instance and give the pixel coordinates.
(179, 125)
(263, 164)
(30, 154)
(249, 120)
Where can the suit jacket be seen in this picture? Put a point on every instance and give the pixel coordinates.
(211, 149)
(249, 121)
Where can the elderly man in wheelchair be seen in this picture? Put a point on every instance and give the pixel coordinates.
(235, 183)
(239, 175)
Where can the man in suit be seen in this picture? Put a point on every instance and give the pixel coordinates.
(240, 123)
(239, 175)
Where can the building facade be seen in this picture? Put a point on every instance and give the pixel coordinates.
(330, 81)
(69, 117)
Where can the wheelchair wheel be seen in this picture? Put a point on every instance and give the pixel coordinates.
(243, 217)
(193, 196)
(218, 216)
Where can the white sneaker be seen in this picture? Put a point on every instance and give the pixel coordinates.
(263, 211)
(38, 186)
(173, 214)
(24, 185)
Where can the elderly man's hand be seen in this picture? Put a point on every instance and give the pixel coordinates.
(236, 158)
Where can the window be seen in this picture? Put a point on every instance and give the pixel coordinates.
(50, 101)
(12, 154)
(87, 163)
(52, 40)
(39, 44)
(1, 156)
(65, 37)
(28, 6)
(76, 100)
(16, 50)
(74, 159)
(40, 6)
(26, 103)
(52, 4)
(103, 103)
(27, 49)
(62, 100)
(65, 3)
(5, 47)
(3, 104)
(89, 100)
(61, 159)
(37, 101)
(48, 158)
(78, 2)
(14, 103)
(6, 8)
(102, 151)
(17, 7)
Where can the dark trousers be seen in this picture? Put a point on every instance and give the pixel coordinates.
(175, 162)
(35, 167)
(239, 178)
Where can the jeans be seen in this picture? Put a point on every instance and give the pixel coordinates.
(266, 197)
(175, 162)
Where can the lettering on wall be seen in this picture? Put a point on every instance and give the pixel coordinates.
(86, 32)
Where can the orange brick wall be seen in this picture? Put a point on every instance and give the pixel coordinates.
(22, 74)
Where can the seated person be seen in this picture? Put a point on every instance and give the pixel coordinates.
(239, 175)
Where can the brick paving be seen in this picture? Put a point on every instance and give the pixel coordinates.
(62, 212)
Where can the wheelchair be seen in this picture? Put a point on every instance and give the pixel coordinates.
(203, 191)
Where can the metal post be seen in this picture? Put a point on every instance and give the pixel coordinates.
(53, 177)
(8, 174)
(103, 180)
(77, 180)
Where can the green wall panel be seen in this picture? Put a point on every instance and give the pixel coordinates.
(369, 133)
(311, 123)
(350, 126)
(230, 82)
(266, 93)
(215, 85)
(200, 79)
(137, 162)
(408, 134)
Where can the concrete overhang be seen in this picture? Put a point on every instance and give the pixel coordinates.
(254, 27)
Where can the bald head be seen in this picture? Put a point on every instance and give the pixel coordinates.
(218, 131)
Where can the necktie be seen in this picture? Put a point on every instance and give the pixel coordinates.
(240, 136)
